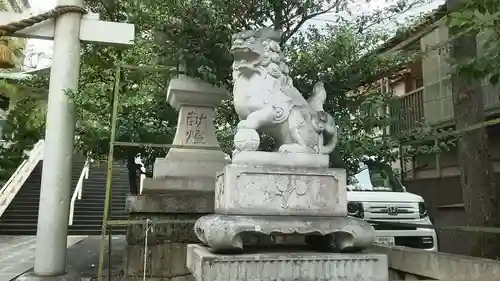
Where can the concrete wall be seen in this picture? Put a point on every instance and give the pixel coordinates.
(444, 200)
(413, 264)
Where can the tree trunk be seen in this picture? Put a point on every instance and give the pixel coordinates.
(477, 174)
(278, 14)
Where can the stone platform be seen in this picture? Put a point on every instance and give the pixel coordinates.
(167, 242)
(224, 233)
(286, 266)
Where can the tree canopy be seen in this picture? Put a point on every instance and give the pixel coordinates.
(482, 18)
(197, 34)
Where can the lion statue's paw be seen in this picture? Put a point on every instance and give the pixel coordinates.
(246, 140)
(294, 148)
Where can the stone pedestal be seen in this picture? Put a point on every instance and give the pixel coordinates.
(286, 266)
(182, 187)
(166, 242)
(192, 169)
(258, 194)
(283, 196)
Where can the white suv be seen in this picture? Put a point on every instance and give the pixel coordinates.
(376, 194)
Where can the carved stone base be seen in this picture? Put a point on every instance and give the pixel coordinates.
(223, 233)
(285, 266)
(280, 190)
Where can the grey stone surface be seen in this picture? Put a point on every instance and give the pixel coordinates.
(275, 190)
(180, 230)
(190, 163)
(185, 90)
(160, 185)
(405, 262)
(30, 276)
(286, 266)
(223, 233)
(164, 261)
(166, 250)
(191, 169)
(280, 159)
(167, 241)
(172, 201)
(17, 254)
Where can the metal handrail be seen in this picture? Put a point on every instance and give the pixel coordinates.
(19, 177)
(142, 176)
(77, 194)
(141, 183)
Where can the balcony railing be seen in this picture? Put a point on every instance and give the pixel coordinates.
(408, 111)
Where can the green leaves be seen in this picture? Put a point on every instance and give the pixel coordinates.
(337, 55)
(198, 33)
(494, 78)
(25, 126)
(481, 18)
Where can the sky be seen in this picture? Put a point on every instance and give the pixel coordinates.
(43, 48)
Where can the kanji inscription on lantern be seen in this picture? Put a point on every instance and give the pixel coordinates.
(195, 126)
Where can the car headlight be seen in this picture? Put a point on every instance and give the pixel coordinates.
(422, 210)
(355, 209)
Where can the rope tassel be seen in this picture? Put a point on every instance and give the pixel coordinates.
(6, 58)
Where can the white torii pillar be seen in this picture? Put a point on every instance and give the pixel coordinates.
(67, 31)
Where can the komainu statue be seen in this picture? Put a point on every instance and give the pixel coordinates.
(265, 99)
(292, 191)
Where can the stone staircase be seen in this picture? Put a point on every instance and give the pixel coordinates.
(89, 210)
(21, 216)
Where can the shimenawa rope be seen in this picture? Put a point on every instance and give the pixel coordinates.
(14, 27)
(6, 56)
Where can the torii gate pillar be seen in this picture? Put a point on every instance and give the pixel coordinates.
(53, 213)
(67, 31)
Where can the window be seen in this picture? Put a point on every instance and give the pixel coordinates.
(375, 177)
(438, 103)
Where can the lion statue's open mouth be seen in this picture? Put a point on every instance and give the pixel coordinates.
(245, 58)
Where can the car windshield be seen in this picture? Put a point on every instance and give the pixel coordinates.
(374, 177)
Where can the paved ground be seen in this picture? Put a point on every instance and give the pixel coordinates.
(16, 254)
(84, 258)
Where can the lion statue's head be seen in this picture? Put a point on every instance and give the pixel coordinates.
(254, 50)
